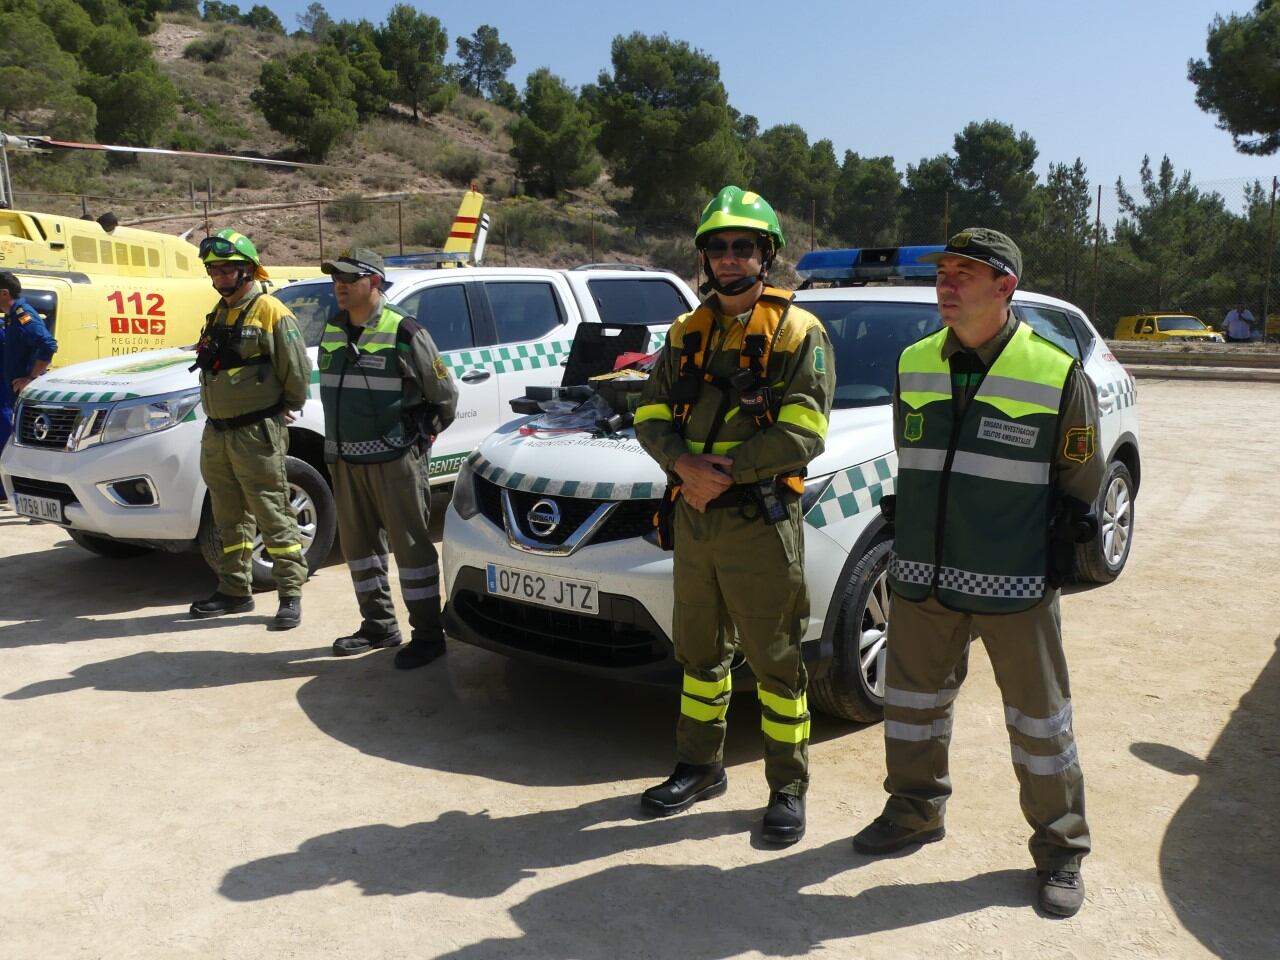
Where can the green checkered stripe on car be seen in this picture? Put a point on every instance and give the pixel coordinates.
(1124, 391)
(582, 489)
(77, 396)
(853, 491)
(521, 356)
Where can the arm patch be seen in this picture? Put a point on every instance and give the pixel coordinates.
(1079, 445)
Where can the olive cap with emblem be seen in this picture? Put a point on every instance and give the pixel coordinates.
(359, 260)
(983, 245)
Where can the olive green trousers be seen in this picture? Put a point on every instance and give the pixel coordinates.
(245, 473)
(381, 502)
(739, 586)
(927, 660)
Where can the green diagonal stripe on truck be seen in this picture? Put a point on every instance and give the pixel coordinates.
(73, 396)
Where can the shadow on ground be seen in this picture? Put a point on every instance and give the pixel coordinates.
(472, 712)
(710, 912)
(1220, 854)
(55, 595)
(473, 855)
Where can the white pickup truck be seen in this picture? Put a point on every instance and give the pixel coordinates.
(109, 449)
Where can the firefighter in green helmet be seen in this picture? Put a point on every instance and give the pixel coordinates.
(735, 408)
(254, 370)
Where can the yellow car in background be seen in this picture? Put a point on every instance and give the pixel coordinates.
(1181, 327)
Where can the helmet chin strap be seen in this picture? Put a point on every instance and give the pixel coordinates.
(741, 285)
(228, 287)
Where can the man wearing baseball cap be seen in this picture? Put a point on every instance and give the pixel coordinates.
(995, 430)
(387, 394)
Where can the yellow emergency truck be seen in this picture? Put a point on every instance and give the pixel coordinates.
(112, 294)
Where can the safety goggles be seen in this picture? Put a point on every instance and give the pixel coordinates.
(218, 246)
(743, 248)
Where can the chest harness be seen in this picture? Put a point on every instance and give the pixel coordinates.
(749, 381)
(755, 399)
(216, 351)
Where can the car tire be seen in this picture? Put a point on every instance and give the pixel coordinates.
(853, 687)
(106, 547)
(1102, 559)
(313, 505)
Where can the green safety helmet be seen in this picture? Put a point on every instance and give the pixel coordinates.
(230, 245)
(736, 209)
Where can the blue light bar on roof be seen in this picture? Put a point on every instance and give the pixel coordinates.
(433, 259)
(868, 263)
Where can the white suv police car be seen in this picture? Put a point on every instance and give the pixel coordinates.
(110, 449)
(549, 553)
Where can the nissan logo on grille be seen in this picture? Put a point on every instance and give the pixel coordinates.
(40, 426)
(543, 517)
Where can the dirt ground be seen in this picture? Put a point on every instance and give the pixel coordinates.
(178, 788)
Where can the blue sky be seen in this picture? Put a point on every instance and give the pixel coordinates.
(1103, 80)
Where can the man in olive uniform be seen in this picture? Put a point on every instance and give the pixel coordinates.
(996, 433)
(387, 394)
(735, 408)
(254, 369)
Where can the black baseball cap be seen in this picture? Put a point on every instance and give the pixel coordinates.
(359, 260)
(984, 245)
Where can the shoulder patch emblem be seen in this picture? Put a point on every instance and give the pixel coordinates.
(325, 359)
(1079, 445)
(913, 426)
(442, 372)
(23, 317)
(819, 360)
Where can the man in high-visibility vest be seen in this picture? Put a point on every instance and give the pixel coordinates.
(996, 432)
(735, 408)
(386, 393)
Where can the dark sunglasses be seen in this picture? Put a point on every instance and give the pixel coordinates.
(743, 249)
(348, 277)
(218, 246)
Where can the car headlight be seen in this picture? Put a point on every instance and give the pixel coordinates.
(464, 498)
(133, 418)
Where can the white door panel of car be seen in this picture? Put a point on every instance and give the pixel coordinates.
(448, 311)
(530, 320)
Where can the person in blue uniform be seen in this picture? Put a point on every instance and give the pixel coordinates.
(26, 349)
(28, 345)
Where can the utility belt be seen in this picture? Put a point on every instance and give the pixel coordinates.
(246, 419)
(770, 497)
(765, 500)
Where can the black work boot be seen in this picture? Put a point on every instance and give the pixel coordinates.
(783, 818)
(1061, 892)
(288, 614)
(883, 836)
(361, 642)
(220, 604)
(689, 783)
(419, 653)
